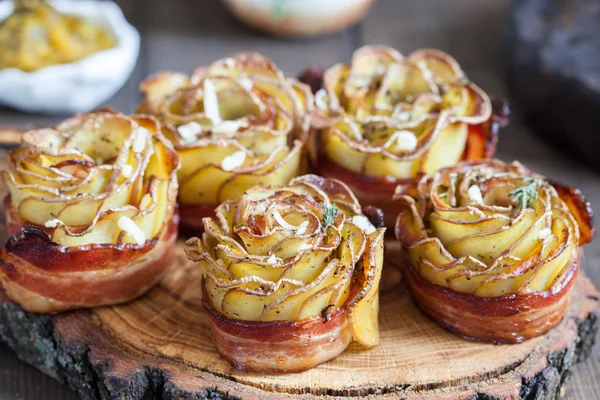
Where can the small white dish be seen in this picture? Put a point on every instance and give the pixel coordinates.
(81, 85)
(302, 18)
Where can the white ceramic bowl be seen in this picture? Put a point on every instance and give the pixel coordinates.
(299, 17)
(78, 86)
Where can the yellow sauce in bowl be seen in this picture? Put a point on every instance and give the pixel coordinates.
(36, 35)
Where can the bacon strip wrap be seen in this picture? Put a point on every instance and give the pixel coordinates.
(236, 123)
(387, 119)
(278, 347)
(291, 275)
(494, 319)
(92, 210)
(482, 261)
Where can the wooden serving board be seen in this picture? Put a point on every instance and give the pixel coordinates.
(159, 347)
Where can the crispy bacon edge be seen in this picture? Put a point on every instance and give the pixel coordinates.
(507, 319)
(280, 346)
(379, 191)
(580, 208)
(44, 277)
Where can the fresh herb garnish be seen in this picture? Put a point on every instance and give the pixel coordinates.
(525, 195)
(329, 215)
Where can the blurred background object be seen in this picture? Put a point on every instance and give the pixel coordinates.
(63, 56)
(36, 35)
(299, 17)
(553, 49)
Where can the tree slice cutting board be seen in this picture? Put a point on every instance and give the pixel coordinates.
(159, 347)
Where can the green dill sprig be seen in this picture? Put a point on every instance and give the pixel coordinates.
(329, 215)
(525, 195)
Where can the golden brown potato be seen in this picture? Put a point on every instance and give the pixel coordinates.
(92, 210)
(238, 123)
(496, 235)
(386, 119)
(295, 256)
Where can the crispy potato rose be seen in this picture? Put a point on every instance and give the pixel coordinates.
(92, 208)
(291, 275)
(492, 249)
(386, 119)
(239, 123)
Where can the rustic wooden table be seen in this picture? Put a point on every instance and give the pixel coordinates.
(182, 34)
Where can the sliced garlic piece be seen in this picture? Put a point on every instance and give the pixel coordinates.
(246, 83)
(233, 161)
(302, 228)
(228, 127)
(364, 224)
(127, 225)
(474, 194)
(139, 141)
(189, 131)
(405, 140)
(211, 102)
(126, 170)
(321, 99)
(53, 223)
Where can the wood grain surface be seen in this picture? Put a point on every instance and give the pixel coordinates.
(181, 34)
(159, 346)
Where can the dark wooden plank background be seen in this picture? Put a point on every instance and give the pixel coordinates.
(182, 34)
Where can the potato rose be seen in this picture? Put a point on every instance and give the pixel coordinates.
(386, 119)
(291, 275)
(92, 207)
(492, 249)
(239, 123)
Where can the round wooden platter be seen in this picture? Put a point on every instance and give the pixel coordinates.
(159, 347)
